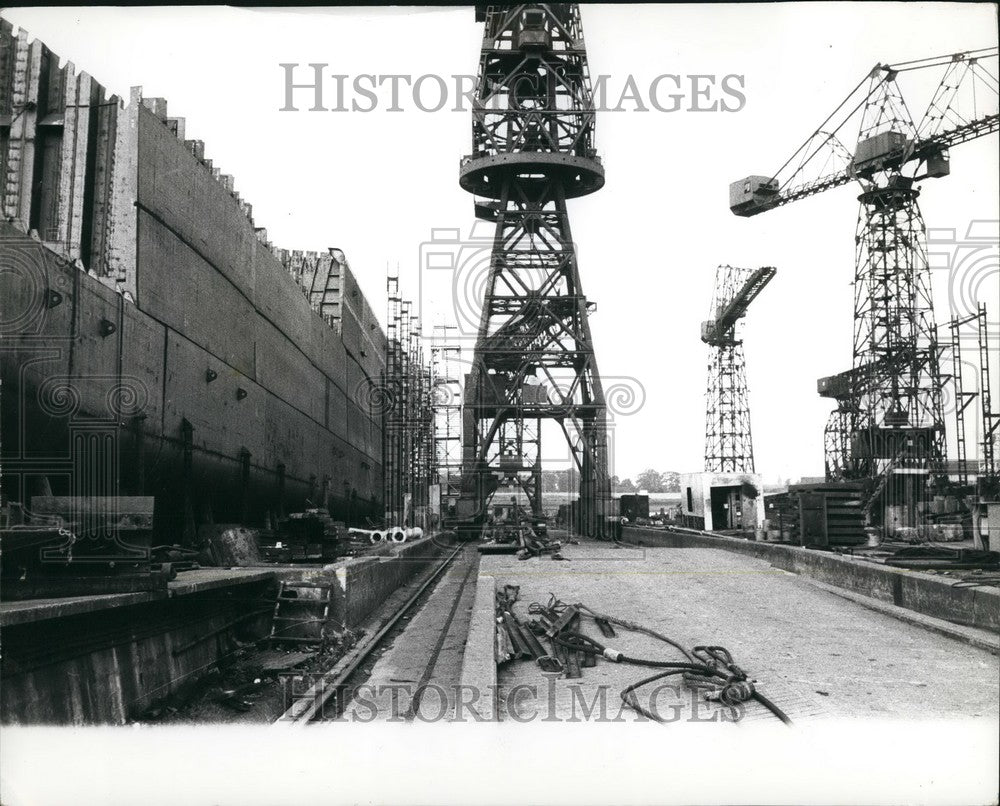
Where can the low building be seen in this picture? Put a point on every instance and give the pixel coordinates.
(722, 501)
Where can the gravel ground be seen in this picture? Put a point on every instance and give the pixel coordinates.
(815, 654)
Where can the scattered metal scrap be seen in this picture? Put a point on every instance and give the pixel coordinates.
(708, 669)
(171, 559)
(519, 539)
(310, 536)
(516, 639)
(244, 697)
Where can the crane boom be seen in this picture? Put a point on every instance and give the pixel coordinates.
(715, 331)
(845, 385)
(823, 162)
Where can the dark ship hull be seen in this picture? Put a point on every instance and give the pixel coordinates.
(152, 341)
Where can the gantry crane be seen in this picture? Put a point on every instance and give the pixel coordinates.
(728, 440)
(889, 424)
(533, 125)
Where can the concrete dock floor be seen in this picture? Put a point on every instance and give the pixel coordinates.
(815, 654)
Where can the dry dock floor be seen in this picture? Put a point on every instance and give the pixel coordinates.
(416, 674)
(815, 654)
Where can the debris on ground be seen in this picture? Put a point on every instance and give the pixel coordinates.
(519, 539)
(709, 670)
(248, 685)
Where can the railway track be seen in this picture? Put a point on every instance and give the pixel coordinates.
(329, 697)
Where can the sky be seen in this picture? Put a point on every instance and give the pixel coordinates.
(383, 185)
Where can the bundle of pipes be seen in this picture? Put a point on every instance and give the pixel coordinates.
(395, 534)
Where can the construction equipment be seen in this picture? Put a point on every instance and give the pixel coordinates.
(79, 545)
(986, 471)
(889, 420)
(985, 509)
(728, 441)
(633, 507)
(532, 149)
(310, 536)
(520, 539)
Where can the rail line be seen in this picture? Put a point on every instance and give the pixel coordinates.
(311, 706)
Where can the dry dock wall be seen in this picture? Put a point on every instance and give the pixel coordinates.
(913, 590)
(362, 584)
(76, 665)
(107, 659)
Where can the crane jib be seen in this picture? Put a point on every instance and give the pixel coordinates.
(882, 150)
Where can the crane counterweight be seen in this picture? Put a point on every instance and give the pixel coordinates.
(752, 195)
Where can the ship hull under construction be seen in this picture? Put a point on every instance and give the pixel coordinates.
(154, 343)
(132, 413)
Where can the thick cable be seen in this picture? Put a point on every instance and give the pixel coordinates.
(709, 667)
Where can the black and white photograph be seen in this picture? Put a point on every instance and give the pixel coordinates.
(505, 404)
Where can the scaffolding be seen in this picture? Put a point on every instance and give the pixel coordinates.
(407, 444)
(991, 419)
(986, 468)
(446, 384)
(962, 398)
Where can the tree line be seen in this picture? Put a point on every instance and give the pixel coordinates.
(652, 481)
